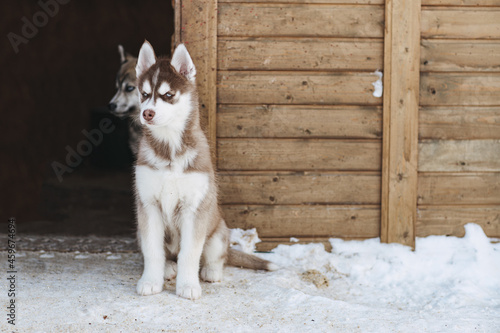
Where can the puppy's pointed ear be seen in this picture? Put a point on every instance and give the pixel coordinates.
(183, 64)
(121, 51)
(146, 59)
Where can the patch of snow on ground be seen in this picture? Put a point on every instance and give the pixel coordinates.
(443, 273)
(448, 284)
(244, 240)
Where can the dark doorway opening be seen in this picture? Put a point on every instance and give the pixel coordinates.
(60, 61)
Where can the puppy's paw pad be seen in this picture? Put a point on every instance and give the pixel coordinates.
(170, 270)
(211, 275)
(189, 291)
(147, 287)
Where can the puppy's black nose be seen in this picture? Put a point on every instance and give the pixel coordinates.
(148, 114)
(112, 106)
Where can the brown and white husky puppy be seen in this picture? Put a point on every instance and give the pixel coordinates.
(125, 103)
(176, 192)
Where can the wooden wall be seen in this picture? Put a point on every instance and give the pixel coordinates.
(459, 120)
(297, 134)
(298, 130)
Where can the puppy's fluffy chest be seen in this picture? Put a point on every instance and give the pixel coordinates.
(170, 189)
(170, 184)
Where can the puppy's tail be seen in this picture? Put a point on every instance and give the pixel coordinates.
(242, 259)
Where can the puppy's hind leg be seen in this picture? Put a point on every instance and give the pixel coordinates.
(170, 270)
(170, 266)
(151, 232)
(214, 255)
(171, 251)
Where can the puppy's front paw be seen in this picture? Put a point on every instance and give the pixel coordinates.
(189, 291)
(211, 274)
(147, 286)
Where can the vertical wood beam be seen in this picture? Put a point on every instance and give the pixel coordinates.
(400, 118)
(196, 27)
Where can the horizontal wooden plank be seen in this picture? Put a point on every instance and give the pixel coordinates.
(459, 123)
(460, 22)
(459, 155)
(271, 188)
(290, 121)
(459, 89)
(306, 221)
(460, 2)
(459, 189)
(296, 88)
(453, 55)
(305, 20)
(377, 2)
(450, 220)
(298, 154)
(299, 54)
(362, 2)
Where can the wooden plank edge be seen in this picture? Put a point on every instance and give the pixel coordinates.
(212, 77)
(399, 163)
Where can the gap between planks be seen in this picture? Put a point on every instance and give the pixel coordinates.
(272, 38)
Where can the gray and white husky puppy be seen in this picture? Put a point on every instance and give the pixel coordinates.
(180, 226)
(125, 103)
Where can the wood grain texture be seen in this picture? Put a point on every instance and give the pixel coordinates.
(298, 154)
(400, 138)
(304, 20)
(460, 22)
(450, 220)
(461, 155)
(290, 121)
(201, 41)
(459, 123)
(341, 2)
(299, 54)
(285, 188)
(461, 2)
(176, 38)
(459, 189)
(296, 88)
(459, 55)
(305, 221)
(460, 89)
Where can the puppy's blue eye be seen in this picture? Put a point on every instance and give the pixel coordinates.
(168, 94)
(145, 95)
(129, 88)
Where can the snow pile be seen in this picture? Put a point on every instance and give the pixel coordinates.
(444, 273)
(244, 240)
(378, 85)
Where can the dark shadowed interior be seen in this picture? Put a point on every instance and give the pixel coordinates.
(57, 79)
